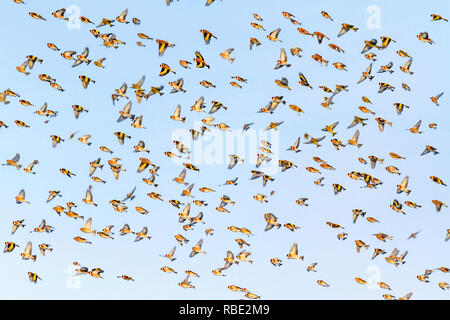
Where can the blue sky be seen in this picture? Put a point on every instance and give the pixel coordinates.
(338, 262)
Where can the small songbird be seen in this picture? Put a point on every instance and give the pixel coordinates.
(142, 234)
(254, 41)
(406, 67)
(99, 62)
(437, 180)
(273, 125)
(354, 140)
(122, 17)
(293, 253)
(85, 80)
(436, 98)
(326, 15)
(366, 74)
(226, 55)
(273, 36)
(369, 44)
(340, 66)
(283, 60)
(322, 283)
(345, 28)
(303, 81)
(36, 16)
(429, 149)
(423, 36)
(20, 198)
(27, 254)
(82, 58)
(88, 198)
(197, 249)
(33, 277)
(257, 26)
(14, 162)
(319, 35)
(105, 22)
(386, 68)
(207, 35)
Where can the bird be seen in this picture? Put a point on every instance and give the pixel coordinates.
(435, 99)
(366, 74)
(282, 62)
(273, 36)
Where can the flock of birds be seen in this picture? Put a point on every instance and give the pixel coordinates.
(186, 218)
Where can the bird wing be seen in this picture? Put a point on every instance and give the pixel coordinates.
(177, 111)
(140, 82)
(354, 123)
(187, 209)
(199, 244)
(404, 183)
(123, 88)
(88, 195)
(408, 64)
(283, 56)
(28, 248)
(233, 161)
(16, 157)
(88, 224)
(42, 224)
(123, 15)
(85, 52)
(182, 174)
(356, 136)
(275, 33)
(294, 249)
(417, 125)
(127, 107)
(343, 31)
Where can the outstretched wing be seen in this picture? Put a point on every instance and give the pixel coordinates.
(343, 31)
(408, 64)
(417, 125)
(88, 224)
(283, 56)
(177, 111)
(123, 15)
(405, 181)
(29, 248)
(294, 249)
(16, 157)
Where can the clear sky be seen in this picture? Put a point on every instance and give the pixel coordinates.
(229, 20)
